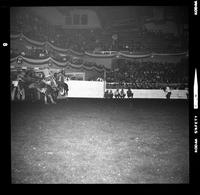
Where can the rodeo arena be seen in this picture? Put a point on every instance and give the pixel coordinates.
(99, 94)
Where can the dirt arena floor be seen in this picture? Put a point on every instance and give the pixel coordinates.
(100, 141)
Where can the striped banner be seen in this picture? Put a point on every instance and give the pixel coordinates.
(47, 61)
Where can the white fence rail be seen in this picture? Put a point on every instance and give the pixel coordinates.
(156, 93)
(86, 89)
(95, 89)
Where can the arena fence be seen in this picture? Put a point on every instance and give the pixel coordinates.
(86, 89)
(96, 89)
(156, 93)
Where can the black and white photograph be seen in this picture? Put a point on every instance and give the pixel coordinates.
(100, 94)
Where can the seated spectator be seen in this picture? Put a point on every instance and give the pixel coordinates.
(129, 93)
(122, 94)
(116, 93)
(110, 94)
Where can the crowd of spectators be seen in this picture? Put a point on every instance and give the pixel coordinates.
(148, 75)
(38, 29)
(93, 40)
(145, 40)
(136, 75)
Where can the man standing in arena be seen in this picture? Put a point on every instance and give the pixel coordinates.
(18, 85)
(13, 92)
(129, 93)
(49, 77)
(168, 91)
(122, 94)
(110, 94)
(106, 94)
(116, 93)
(187, 93)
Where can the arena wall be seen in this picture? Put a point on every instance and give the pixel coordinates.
(86, 89)
(95, 89)
(156, 93)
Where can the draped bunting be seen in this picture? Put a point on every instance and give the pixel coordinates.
(49, 60)
(169, 54)
(134, 55)
(46, 43)
(32, 41)
(76, 53)
(100, 55)
(57, 48)
(103, 54)
(14, 36)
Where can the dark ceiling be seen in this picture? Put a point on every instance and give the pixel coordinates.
(113, 13)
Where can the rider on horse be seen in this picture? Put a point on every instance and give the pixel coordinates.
(62, 85)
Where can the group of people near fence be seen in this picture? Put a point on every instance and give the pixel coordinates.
(118, 94)
(46, 86)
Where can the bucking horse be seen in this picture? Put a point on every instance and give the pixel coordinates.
(50, 88)
(44, 89)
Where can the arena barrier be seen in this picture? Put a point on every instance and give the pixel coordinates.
(95, 89)
(86, 89)
(155, 93)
